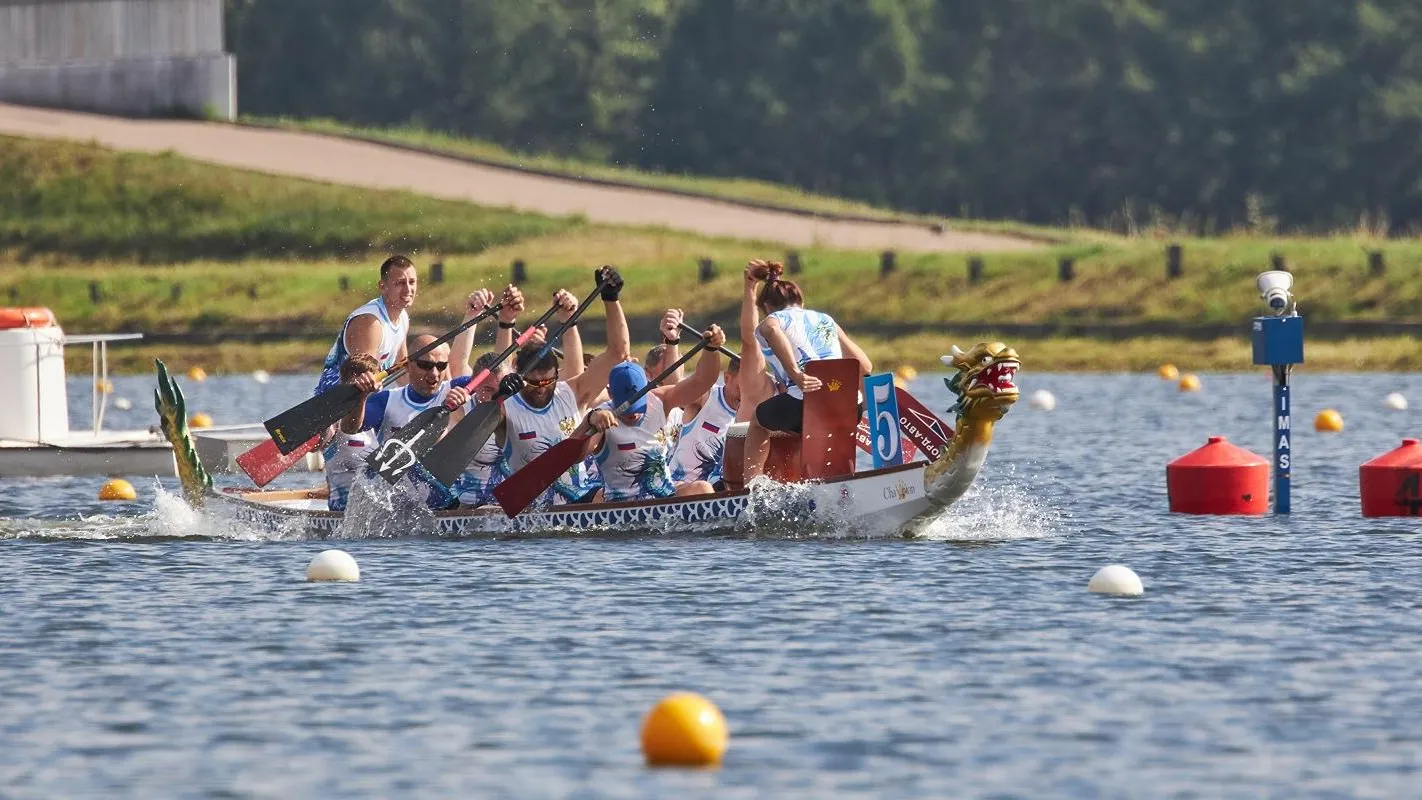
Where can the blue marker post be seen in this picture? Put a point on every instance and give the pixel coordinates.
(1278, 343)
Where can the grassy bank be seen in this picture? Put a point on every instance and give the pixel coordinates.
(1120, 285)
(159, 244)
(60, 200)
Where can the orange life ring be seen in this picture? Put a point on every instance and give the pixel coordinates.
(34, 317)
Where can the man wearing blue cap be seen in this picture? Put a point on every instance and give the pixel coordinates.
(632, 446)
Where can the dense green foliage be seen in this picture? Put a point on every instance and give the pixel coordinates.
(82, 201)
(1238, 113)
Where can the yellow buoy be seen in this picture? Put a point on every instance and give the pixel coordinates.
(685, 730)
(1328, 421)
(1169, 372)
(105, 386)
(200, 420)
(907, 372)
(117, 489)
(1189, 383)
(197, 374)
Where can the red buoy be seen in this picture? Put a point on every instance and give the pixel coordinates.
(1218, 478)
(1389, 484)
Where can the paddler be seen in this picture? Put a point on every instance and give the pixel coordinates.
(633, 448)
(386, 411)
(789, 337)
(548, 406)
(349, 446)
(379, 327)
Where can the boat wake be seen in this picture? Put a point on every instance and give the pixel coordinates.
(1003, 509)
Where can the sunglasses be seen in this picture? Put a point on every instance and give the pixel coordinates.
(543, 384)
(431, 365)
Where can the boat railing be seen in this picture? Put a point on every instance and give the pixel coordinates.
(99, 366)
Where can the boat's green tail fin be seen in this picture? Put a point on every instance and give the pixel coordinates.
(173, 416)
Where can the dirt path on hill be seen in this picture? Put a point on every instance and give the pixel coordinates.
(355, 163)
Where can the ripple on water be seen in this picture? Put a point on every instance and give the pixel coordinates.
(150, 647)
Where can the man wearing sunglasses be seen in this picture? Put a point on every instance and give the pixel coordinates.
(550, 405)
(388, 410)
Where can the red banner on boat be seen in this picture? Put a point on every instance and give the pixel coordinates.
(921, 427)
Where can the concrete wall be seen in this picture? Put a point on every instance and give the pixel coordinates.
(117, 56)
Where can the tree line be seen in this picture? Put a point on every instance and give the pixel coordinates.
(1299, 116)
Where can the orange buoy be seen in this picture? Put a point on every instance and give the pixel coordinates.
(1218, 478)
(1391, 484)
(32, 317)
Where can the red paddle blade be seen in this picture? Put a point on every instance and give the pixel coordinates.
(265, 462)
(523, 487)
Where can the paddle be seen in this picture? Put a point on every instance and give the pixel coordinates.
(520, 489)
(422, 432)
(691, 330)
(295, 426)
(463, 442)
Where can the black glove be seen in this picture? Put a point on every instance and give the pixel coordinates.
(611, 281)
(511, 384)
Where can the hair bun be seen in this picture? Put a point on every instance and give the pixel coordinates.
(766, 270)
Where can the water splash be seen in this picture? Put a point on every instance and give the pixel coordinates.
(999, 508)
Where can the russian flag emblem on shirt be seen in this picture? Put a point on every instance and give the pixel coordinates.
(627, 446)
(708, 426)
(354, 443)
(524, 436)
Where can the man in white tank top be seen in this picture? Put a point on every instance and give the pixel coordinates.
(549, 405)
(379, 327)
(386, 412)
(632, 448)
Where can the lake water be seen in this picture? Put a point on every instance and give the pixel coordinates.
(146, 654)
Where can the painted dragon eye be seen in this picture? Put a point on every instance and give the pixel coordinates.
(987, 360)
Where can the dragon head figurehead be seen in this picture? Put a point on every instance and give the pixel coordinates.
(983, 380)
(983, 383)
(172, 416)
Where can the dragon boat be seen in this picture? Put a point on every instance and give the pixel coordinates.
(804, 487)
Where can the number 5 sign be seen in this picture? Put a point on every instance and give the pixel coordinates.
(881, 407)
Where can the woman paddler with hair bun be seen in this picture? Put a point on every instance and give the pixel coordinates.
(790, 336)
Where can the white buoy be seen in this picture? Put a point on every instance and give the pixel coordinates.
(1116, 579)
(261, 376)
(1395, 401)
(333, 565)
(123, 403)
(1043, 400)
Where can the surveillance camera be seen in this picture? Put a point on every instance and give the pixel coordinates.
(1274, 287)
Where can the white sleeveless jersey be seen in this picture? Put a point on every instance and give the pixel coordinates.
(392, 333)
(530, 431)
(814, 336)
(702, 442)
(345, 460)
(402, 406)
(633, 458)
(475, 485)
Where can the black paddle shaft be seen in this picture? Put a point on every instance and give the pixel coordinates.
(692, 330)
(292, 427)
(463, 442)
(414, 441)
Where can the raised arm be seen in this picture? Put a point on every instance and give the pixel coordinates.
(463, 344)
(572, 340)
(708, 368)
(752, 359)
(590, 384)
(670, 328)
(511, 305)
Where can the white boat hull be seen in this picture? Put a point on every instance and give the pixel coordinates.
(872, 503)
